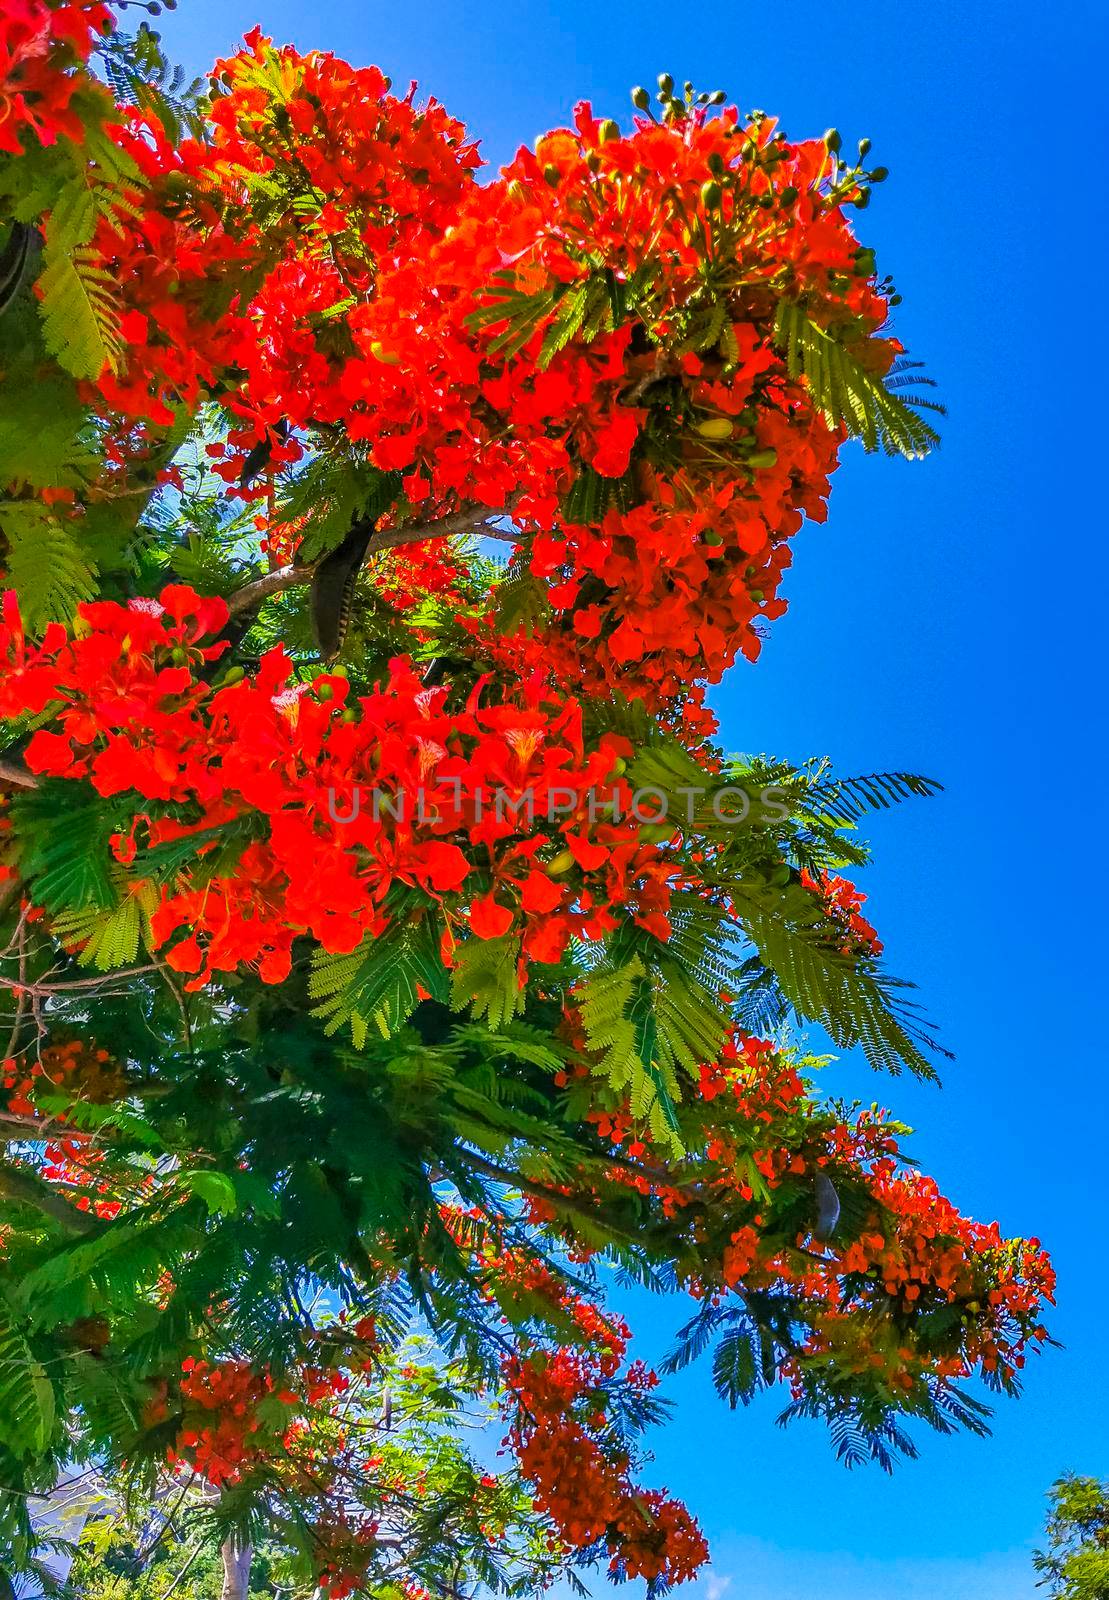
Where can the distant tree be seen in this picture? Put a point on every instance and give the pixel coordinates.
(189, 1570)
(1075, 1565)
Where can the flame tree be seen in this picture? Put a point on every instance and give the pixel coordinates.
(388, 946)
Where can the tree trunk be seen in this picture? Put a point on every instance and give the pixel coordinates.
(236, 1568)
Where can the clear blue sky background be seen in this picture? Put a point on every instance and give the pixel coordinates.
(951, 619)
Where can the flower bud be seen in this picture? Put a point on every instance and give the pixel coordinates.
(641, 100)
(833, 140)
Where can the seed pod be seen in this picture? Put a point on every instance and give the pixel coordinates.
(13, 261)
(716, 428)
(827, 1206)
(332, 592)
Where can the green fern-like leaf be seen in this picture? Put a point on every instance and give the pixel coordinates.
(377, 983)
(49, 572)
(27, 1411)
(64, 847)
(847, 393)
(110, 939)
(485, 978)
(854, 1001)
(627, 1017)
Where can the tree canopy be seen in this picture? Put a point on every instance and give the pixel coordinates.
(389, 948)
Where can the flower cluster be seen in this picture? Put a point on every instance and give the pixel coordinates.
(751, 1199)
(40, 44)
(562, 1438)
(234, 1417)
(79, 1071)
(910, 1252)
(841, 901)
(492, 803)
(641, 429)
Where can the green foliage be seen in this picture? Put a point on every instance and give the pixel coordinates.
(797, 967)
(1075, 1564)
(78, 301)
(485, 977)
(377, 983)
(636, 1033)
(332, 493)
(111, 938)
(44, 562)
(596, 303)
(27, 1409)
(140, 75)
(64, 847)
(882, 413)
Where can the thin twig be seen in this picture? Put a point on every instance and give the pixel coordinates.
(41, 988)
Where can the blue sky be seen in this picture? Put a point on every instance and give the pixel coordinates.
(947, 619)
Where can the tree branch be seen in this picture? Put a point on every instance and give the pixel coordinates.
(291, 577)
(18, 776)
(27, 1190)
